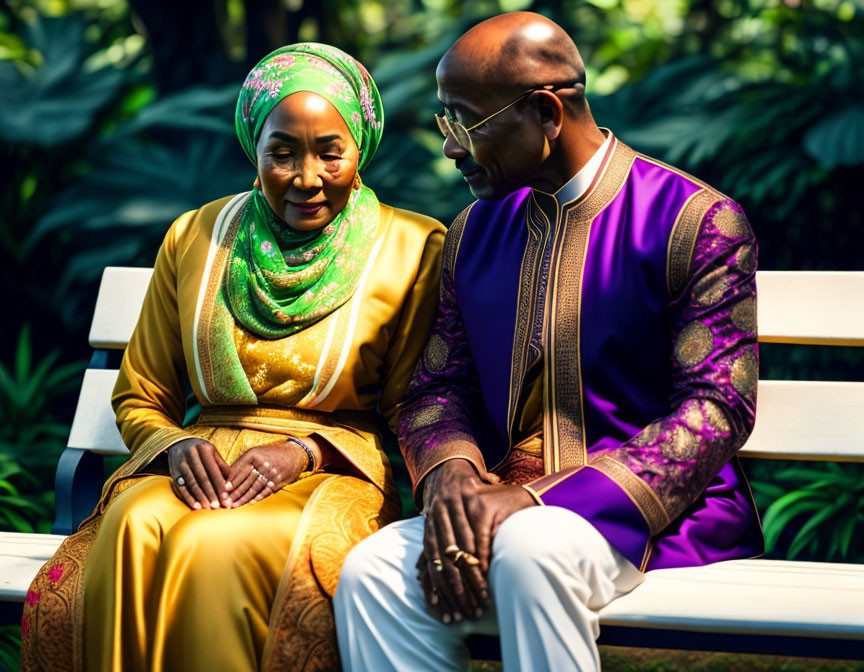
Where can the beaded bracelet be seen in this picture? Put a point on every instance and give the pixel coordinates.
(311, 461)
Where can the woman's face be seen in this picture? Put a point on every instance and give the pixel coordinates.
(307, 161)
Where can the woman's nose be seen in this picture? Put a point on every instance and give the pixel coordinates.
(307, 177)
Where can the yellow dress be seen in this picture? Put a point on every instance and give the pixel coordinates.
(158, 586)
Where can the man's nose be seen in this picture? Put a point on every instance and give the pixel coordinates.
(452, 149)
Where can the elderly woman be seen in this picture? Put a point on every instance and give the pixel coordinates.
(292, 310)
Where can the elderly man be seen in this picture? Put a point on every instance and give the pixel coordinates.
(590, 377)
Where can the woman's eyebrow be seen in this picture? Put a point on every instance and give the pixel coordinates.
(287, 137)
(281, 135)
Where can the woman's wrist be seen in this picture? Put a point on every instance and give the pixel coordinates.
(310, 451)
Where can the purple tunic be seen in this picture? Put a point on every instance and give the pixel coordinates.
(634, 307)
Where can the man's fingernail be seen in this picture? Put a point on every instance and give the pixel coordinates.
(457, 617)
(478, 613)
(271, 484)
(228, 485)
(446, 618)
(197, 505)
(484, 594)
(228, 502)
(215, 503)
(434, 598)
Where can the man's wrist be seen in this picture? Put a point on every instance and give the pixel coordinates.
(436, 473)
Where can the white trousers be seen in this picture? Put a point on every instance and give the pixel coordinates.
(551, 571)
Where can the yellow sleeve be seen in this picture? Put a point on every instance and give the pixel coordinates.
(415, 322)
(148, 397)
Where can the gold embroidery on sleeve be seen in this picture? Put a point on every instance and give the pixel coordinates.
(682, 239)
(716, 417)
(692, 415)
(645, 499)
(744, 315)
(745, 374)
(693, 344)
(731, 223)
(437, 353)
(681, 445)
(710, 289)
(746, 259)
(427, 416)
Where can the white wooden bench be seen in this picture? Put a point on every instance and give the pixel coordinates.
(769, 606)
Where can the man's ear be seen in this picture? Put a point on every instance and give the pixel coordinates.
(551, 111)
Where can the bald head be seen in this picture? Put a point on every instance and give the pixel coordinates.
(511, 53)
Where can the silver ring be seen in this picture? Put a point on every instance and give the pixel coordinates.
(262, 477)
(181, 481)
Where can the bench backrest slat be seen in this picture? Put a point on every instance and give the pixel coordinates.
(826, 420)
(805, 420)
(121, 294)
(808, 420)
(811, 307)
(94, 426)
(808, 307)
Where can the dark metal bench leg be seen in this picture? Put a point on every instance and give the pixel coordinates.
(10, 612)
(77, 487)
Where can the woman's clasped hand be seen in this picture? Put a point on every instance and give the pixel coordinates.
(203, 480)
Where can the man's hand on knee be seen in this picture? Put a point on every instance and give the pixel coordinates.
(463, 510)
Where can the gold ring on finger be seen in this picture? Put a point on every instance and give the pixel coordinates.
(471, 560)
(459, 555)
(452, 549)
(439, 564)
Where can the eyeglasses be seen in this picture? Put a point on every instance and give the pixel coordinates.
(448, 125)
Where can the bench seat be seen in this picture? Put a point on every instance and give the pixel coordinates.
(792, 599)
(21, 556)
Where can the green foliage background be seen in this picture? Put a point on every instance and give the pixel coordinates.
(117, 115)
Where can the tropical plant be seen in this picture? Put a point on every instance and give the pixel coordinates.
(10, 646)
(816, 511)
(31, 437)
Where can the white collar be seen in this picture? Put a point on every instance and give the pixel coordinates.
(577, 185)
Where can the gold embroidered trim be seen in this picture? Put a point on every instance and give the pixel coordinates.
(539, 226)
(639, 491)
(214, 285)
(682, 240)
(534, 495)
(453, 240)
(564, 415)
(342, 315)
(545, 483)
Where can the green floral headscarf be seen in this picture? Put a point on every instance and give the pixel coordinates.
(279, 280)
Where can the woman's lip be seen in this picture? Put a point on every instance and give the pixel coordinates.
(307, 208)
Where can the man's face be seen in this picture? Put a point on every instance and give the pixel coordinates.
(507, 150)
